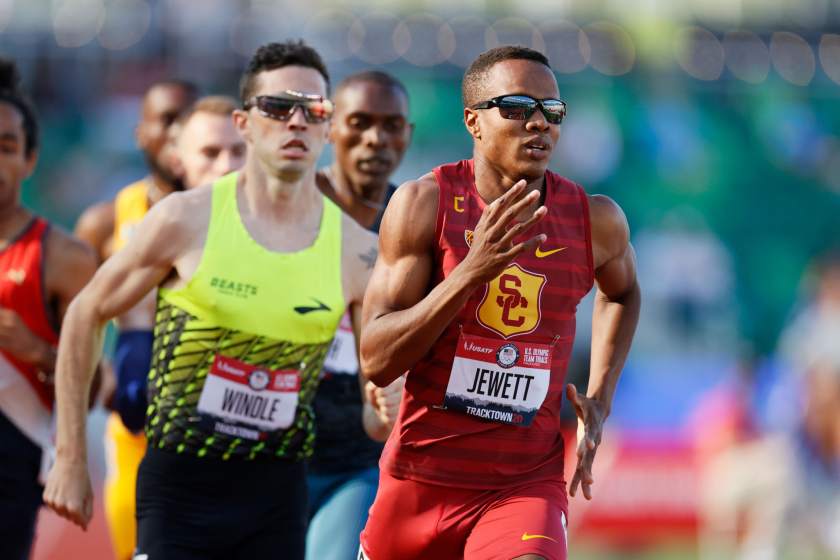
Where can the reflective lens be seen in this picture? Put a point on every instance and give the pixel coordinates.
(554, 111)
(519, 107)
(315, 110)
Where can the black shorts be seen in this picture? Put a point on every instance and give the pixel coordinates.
(191, 508)
(20, 492)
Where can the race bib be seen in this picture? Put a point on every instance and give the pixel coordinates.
(500, 381)
(247, 401)
(341, 357)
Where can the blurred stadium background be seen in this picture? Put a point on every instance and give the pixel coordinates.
(715, 124)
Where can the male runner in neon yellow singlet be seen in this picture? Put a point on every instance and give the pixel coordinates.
(254, 274)
(107, 227)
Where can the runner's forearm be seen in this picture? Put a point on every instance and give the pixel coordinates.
(613, 326)
(392, 343)
(78, 354)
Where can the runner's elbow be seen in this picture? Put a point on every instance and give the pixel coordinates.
(374, 365)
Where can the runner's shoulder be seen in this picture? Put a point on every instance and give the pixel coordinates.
(66, 256)
(356, 235)
(412, 211)
(185, 212)
(610, 229)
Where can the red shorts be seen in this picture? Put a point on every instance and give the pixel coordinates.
(417, 521)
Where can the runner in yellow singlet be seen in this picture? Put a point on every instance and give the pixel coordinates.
(108, 226)
(255, 273)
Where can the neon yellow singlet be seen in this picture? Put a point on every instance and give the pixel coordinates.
(246, 309)
(131, 205)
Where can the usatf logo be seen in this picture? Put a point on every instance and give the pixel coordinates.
(231, 288)
(468, 237)
(511, 305)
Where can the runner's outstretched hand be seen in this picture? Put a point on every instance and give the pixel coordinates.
(591, 416)
(492, 248)
(69, 492)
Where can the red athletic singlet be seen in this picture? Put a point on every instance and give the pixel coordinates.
(533, 302)
(22, 290)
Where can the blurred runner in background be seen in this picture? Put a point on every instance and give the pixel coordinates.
(108, 226)
(42, 268)
(254, 274)
(370, 133)
(206, 144)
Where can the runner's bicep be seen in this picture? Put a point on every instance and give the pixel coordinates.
(617, 276)
(122, 282)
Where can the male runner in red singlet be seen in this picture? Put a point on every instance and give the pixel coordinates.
(482, 266)
(41, 271)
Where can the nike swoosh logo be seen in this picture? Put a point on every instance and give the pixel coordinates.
(526, 536)
(540, 254)
(305, 310)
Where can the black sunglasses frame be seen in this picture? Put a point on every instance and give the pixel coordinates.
(527, 113)
(305, 99)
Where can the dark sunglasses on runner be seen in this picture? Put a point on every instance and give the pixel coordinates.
(316, 108)
(521, 107)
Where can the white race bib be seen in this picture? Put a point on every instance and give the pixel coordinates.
(341, 357)
(500, 381)
(247, 401)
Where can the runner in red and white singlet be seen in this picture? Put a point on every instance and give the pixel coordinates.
(41, 271)
(482, 265)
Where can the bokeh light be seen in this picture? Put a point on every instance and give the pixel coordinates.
(256, 26)
(431, 40)
(78, 21)
(328, 31)
(515, 31)
(6, 10)
(746, 56)
(566, 46)
(372, 38)
(792, 57)
(699, 53)
(830, 56)
(471, 35)
(126, 22)
(611, 48)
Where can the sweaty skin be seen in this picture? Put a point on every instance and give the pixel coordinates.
(370, 132)
(281, 209)
(402, 318)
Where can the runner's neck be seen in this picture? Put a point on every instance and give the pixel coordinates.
(365, 208)
(13, 221)
(159, 187)
(491, 182)
(274, 199)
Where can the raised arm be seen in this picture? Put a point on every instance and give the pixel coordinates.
(402, 319)
(117, 286)
(614, 320)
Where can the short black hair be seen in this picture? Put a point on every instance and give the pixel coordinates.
(472, 87)
(11, 93)
(277, 55)
(371, 76)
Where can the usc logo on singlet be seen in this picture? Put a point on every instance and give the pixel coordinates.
(511, 305)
